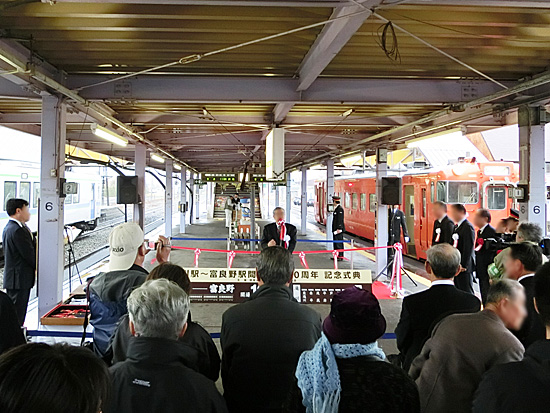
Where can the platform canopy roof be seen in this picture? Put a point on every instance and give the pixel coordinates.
(205, 80)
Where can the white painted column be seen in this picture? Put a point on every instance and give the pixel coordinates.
(381, 228)
(168, 199)
(330, 192)
(51, 248)
(532, 164)
(140, 156)
(197, 198)
(193, 197)
(303, 205)
(183, 197)
(288, 197)
(277, 196)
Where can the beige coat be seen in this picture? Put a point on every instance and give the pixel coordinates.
(461, 349)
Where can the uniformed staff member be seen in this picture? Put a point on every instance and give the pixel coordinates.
(338, 227)
(396, 224)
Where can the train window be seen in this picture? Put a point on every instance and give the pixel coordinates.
(432, 192)
(424, 202)
(354, 201)
(363, 202)
(10, 191)
(462, 192)
(346, 200)
(442, 191)
(496, 197)
(372, 202)
(35, 194)
(25, 191)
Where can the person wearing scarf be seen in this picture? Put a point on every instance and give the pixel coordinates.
(346, 371)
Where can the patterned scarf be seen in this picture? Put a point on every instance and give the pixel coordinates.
(318, 376)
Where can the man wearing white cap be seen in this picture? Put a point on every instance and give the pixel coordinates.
(109, 290)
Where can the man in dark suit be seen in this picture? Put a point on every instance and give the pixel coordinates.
(443, 226)
(279, 232)
(338, 227)
(396, 223)
(464, 236)
(11, 334)
(19, 256)
(421, 311)
(484, 255)
(524, 259)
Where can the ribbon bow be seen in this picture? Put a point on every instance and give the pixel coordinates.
(335, 257)
(230, 258)
(479, 244)
(282, 233)
(197, 253)
(455, 240)
(438, 232)
(303, 261)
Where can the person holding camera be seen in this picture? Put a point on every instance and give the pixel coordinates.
(484, 255)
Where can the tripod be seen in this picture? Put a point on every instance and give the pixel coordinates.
(390, 265)
(72, 256)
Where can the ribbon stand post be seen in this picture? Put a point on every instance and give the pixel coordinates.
(335, 257)
(396, 282)
(230, 257)
(197, 254)
(303, 260)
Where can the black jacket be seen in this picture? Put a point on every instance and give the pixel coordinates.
(397, 222)
(271, 232)
(369, 385)
(338, 219)
(519, 387)
(198, 347)
(421, 311)
(484, 257)
(466, 240)
(532, 328)
(262, 340)
(11, 334)
(19, 257)
(447, 227)
(155, 378)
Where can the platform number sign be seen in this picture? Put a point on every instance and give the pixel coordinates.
(536, 209)
(48, 206)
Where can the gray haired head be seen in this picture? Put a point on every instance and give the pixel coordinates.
(444, 260)
(504, 288)
(158, 308)
(529, 231)
(275, 266)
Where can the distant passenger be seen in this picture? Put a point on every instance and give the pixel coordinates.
(11, 334)
(19, 256)
(464, 236)
(443, 226)
(420, 311)
(338, 227)
(522, 387)
(484, 255)
(346, 371)
(263, 338)
(38, 378)
(521, 264)
(464, 346)
(198, 348)
(279, 232)
(154, 377)
(110, 290)
(230, 205)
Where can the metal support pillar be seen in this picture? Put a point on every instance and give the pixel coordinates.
(183, 198)
(288, 197)
(197, 198)
(381, 229)
(330, 192)
(140, 154)
(252, 215)
(192, 197)
(532, 164)
(51, 248)
(168, 199)
(276, 196)
(303, 203)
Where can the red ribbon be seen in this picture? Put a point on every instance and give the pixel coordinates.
(396, 282)
(197, 253)
(231, 257)
(479, 244)
(335, 257)
(303, 260)
(282, 233)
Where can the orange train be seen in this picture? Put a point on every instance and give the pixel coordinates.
(476, 185)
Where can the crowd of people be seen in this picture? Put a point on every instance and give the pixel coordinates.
(457, 353)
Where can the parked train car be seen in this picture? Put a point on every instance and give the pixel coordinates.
(21, 179)
(477, 185)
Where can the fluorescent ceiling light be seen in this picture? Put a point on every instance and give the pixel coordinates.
(347, 113)
(177, 167)
(157, 158)
(108, 135)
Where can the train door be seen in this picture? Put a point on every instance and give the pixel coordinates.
(409, 216)
(424, 220)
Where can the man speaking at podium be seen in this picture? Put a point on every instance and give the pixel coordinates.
(279, 233)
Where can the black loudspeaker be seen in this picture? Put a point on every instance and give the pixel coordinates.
(126, 189)
(391, 190)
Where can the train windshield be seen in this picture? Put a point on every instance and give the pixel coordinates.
(496, 197)
(457, 192)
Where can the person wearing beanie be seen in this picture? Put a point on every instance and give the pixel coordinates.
(346, 371)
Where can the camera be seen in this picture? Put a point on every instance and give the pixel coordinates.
(496, 244)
